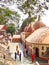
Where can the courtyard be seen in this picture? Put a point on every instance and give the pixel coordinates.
(24, 60)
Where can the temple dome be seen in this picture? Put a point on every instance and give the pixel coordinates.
(34, 26)
(38, 24)
(39, 36)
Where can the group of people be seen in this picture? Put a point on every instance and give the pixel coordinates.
(25, 53)
(17, 53)
(32, 55)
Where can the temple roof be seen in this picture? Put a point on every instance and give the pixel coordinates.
(29, 28)
(39, 36)
(38, 24)
(33, 26)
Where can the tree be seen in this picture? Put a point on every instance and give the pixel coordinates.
(11, 28)
(6, 14)
(34, 7)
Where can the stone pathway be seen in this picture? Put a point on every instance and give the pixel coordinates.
(24, 61)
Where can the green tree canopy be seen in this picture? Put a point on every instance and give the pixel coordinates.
(34, 7)
(6, 14)
(11, 28)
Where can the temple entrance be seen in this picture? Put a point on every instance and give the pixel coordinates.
(37, 52)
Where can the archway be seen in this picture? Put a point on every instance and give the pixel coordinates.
(37, 52)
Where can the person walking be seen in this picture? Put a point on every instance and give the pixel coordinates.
(32, 57)
(15, 56)
(20, 56)
(26, 52)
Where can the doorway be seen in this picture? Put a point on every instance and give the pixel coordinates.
(37, 52)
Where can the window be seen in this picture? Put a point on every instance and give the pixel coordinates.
(42, 48)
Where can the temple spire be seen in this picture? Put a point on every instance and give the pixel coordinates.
(38, 18)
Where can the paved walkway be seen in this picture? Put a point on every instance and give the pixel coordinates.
(24, 61)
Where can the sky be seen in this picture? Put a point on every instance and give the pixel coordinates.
(45, 18)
